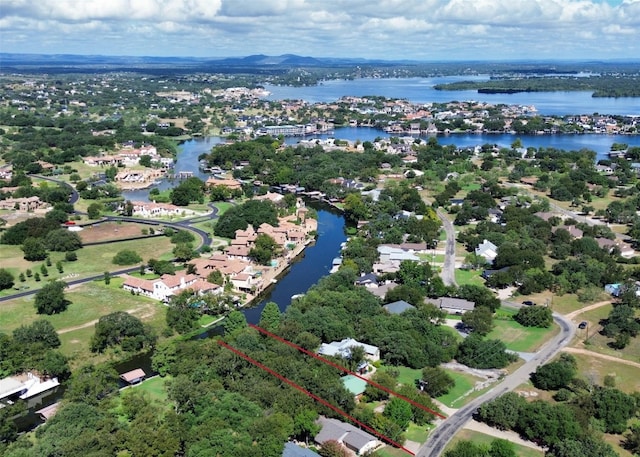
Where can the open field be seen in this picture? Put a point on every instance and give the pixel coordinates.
(481, 438)
(92, 260)
(88, 302)
(76, 325)
(519, 338)
(468, 277)
(594, 370)
(109, 230)
(464, 383)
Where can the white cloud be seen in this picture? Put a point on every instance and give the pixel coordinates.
(359, 28)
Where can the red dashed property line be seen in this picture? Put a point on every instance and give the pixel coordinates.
(315, 397)
(343, 369)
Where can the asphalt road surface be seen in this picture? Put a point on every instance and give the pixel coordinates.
(449, 427)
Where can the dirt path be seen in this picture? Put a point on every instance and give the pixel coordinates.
(504, 434)
(601, 356)
(575, 313)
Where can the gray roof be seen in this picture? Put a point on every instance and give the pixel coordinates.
(351, 436)
(456, 303)
(398, 307)
(293, 450)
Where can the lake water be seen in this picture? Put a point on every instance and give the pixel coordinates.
(601, 144)
(420, 90)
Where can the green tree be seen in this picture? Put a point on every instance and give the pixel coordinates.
(126, 257)
(478, 353)
(39, 332)
(6, 279)
(215, 277)
(270, 317)
(34, 249)
(479, 320)
(584, 447)
(399, 411)
(62, 240)
(50, 299)
(264, 249)
(183, 313)
(183, 252)
(107, 278)
(305, 425)
(121, 329)
(555, 375)
(534, 316)
(94, 210)
(233, 322)
(435, 381)
(632, 440)
(92, 383)
(614, 408)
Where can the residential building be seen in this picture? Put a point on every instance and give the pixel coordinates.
(343, 349)
(348, 435)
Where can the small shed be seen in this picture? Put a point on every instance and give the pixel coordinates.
(133, 376)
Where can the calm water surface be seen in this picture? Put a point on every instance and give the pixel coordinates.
(420, 90)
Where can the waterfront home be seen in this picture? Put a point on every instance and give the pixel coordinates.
(161, 288)
(230, 184)
(24, 386)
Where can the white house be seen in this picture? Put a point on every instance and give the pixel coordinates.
(343, 349)
(487, 250)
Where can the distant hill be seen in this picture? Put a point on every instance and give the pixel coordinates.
(9, 60)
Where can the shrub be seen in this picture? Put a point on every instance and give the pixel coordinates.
(126, 257)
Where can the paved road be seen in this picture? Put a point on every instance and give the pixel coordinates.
(449, 266)
(449, 427)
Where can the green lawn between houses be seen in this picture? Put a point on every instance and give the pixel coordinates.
(518, 337)
(481, 438)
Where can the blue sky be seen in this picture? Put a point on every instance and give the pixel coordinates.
(387, 29)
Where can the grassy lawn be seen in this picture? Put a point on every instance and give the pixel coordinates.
(390, 452)
(481, 438)
(407, 375)
(417, 433)
(222, 207)
(92, 260)
(600, 344)
(88, 302)
(155, 388)
(594, 369)
(519, 338)
(464, 277)
(464, 383)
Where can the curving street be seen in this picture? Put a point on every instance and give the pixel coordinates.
(437, 441)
